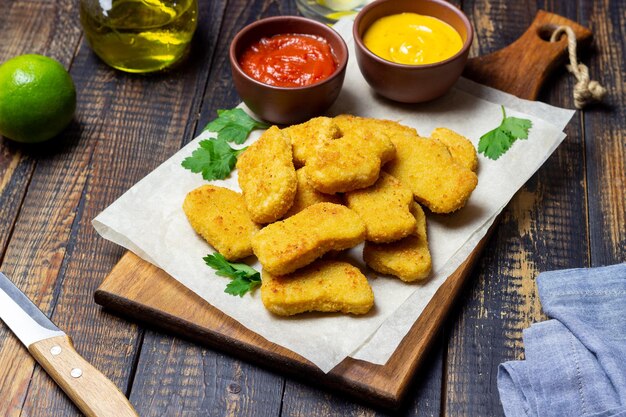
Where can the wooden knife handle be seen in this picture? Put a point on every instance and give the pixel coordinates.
(92, 392)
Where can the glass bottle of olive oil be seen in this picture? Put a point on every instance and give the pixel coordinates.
(139, 35)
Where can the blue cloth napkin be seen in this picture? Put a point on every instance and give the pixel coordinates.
(576, 363)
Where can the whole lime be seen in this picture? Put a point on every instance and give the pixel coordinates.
(37, 98)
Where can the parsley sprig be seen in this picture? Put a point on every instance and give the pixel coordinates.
(496, 142)
(234, 125)
(244, 278)
(215, 159)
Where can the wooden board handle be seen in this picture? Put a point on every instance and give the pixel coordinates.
(93, 393)
(522, 67)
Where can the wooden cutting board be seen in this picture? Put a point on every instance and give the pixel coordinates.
(139, 290)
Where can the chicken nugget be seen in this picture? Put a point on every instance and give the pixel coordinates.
(375, 132)
(381, 127)
(428, 169)
(385, 209)
(219, 215)
(308, 136)
(408, 258)
(460, 147)
(327, 286)
(349, 163)
(306, 195)
(287, 245)
(267, 177)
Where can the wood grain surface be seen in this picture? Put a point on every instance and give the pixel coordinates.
(570, 214)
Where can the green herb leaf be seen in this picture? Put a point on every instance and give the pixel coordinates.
(215, 159)
(496, 142)
(244, 278)
(241, 286)
(517, 128)
(234, 125)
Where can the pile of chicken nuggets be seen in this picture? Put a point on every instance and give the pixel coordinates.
(315, 189)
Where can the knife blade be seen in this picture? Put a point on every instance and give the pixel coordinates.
(92, 392)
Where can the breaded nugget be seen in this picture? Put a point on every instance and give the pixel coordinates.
(385, 209)
(267, 177)
(375, 132)
(350, 162)
(387, 128)
(308, 136)
(326, 286)
(342, 167)
(428, 169)
(408, 259)
(460, 147)
(287, 245)
(306, 195)
(219, 215)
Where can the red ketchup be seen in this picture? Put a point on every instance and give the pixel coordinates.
(290, 60)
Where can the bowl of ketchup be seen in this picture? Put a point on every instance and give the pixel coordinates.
(288, 69)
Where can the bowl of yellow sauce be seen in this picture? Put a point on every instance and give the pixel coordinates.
(411, 50)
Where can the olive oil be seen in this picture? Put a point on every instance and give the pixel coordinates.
(139, 35)
(330, 11)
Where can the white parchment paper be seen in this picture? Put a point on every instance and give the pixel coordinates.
(148, 220)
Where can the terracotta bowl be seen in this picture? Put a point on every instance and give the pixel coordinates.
(411, 83)
(287, 105)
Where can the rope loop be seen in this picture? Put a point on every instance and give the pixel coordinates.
(585, 90)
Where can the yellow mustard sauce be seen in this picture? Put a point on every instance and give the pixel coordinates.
(412, 39)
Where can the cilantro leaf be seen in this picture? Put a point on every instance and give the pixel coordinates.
(215, 159)
(220, 264)
(228, 269)
(244, 278)
(517, 127)
(240, 286)
(496, 142)
(234, 125)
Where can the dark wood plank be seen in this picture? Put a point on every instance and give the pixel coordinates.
(176, 377)
(605, 134)
(132, 124)
(26, 28)
(422, 399)
(543, 228)
(31, 254)
(53, 219)
(201, 380)
(16, 167)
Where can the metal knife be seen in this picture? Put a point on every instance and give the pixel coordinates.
(88, 388)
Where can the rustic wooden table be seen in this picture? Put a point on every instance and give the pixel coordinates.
(571, 214)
